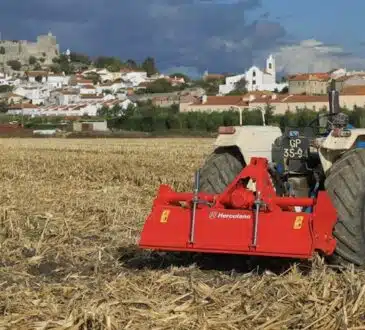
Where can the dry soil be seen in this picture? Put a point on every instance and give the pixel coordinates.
(70, 216)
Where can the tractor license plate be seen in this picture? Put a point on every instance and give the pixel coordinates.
(295, 148)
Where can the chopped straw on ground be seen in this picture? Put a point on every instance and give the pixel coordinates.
(71, 213)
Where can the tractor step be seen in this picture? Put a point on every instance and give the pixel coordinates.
(240, 221)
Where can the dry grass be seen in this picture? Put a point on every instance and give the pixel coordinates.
(71, 212)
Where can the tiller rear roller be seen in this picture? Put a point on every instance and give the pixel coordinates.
(241, 220)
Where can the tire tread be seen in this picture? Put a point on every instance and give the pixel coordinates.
(346, 186)
(220, 169)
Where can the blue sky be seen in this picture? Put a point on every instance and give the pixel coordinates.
(198, 35)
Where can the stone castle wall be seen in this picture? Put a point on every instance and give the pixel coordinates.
(45, 47)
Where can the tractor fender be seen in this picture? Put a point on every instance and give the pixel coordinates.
(332, 147)
(332, 142)
(251, 140)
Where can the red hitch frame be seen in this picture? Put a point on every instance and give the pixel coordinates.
(240, 220)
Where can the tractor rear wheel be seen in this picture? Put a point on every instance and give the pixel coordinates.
(220, 169)
(345, 184)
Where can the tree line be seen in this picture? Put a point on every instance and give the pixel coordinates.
(148, 118)
(78, 61)
(163, 121)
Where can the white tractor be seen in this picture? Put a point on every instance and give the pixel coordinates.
(302, 162)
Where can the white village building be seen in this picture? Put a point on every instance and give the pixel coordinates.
(257, 79)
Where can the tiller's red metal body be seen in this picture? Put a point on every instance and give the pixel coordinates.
(240, 220)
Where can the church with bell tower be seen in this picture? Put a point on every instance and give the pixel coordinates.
(270, 66)
(256, 79)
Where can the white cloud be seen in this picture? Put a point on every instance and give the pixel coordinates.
(314, 56)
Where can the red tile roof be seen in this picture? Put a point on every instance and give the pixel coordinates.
(69, 92)
(24, 106)
(292, 98)
(353, 90)
(223, 100)
(36, 73)
(214, 76)
(91, 96)
(15, 95)
(346, 77)
(269, 98)
(319, 76)
(188, 99)
(305, 98)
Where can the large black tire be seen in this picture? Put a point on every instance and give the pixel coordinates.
(345, 183)
(220, 169)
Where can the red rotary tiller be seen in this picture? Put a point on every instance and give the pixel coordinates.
(241, 220)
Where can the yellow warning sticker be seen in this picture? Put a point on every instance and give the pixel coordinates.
(298, 223)
(164, 216)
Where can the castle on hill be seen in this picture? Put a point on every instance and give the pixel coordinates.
(44, 49)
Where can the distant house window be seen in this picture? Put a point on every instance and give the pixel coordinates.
(254, 73)
(253, 82)
(270, 65)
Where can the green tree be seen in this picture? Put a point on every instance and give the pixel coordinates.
(14, 64)
(113, 64)
(95, 77)
(103, 111)
(160, 86)
(80, 58)
(149, 66)
(131, 64)
(269, 114)
(6, 88)
(3, 107)
(56, 68)
(110, 113)
(210, 86)
(240, 85)
(37, 66)
(2, 50)
(285, 90)
(32, 60)
(38, 79)
(180, 75)
(63, 64)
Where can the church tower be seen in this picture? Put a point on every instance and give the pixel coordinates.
(270, 66)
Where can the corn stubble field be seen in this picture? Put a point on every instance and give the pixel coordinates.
(71, 214)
